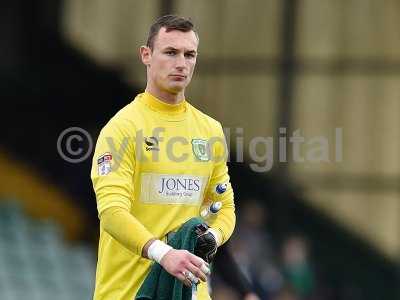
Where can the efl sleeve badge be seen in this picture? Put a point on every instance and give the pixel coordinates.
(104, 164)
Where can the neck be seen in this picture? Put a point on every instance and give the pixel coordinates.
(165, 96)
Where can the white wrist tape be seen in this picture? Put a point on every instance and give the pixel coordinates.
(157, 250)
(216, 234)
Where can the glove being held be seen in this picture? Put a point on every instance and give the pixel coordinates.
(206, 245)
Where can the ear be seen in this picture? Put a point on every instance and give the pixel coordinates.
(145, 55)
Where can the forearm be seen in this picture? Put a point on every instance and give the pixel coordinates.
(225, 224)
(125, 228)
(128, 231)
(221, 191)
(225, 221)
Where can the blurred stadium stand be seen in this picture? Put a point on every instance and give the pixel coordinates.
(36, 262)
(346, 265)
(47, 86)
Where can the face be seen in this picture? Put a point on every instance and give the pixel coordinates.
(171, 63)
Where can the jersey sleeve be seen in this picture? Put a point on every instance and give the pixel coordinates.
(112, 176)
(120, 224)
(226, 219)
(113, 166)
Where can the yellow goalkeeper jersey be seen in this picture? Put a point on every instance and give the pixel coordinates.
(160, 162)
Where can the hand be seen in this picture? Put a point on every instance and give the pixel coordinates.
(179, 263)
(206, 245)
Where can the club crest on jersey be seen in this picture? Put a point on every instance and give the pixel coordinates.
(200, 149)
(104, 164)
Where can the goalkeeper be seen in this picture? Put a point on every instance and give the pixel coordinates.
(155, 163)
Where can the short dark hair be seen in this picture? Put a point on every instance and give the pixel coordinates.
(170, 22)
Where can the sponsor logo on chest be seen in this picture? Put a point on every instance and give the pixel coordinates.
(172, 189)
(182, 186)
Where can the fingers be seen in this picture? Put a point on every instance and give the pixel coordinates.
(184, 280)
(187, 283)
(198, 273)
(185, 266)
(192, 278)
(201, 264)
(197, 269)
(205, 268)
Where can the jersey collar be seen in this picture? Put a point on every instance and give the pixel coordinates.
(160, 106)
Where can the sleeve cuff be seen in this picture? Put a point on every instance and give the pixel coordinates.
(217, 235)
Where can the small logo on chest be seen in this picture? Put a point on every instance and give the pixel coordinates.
(151, 143)
(201, 149)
